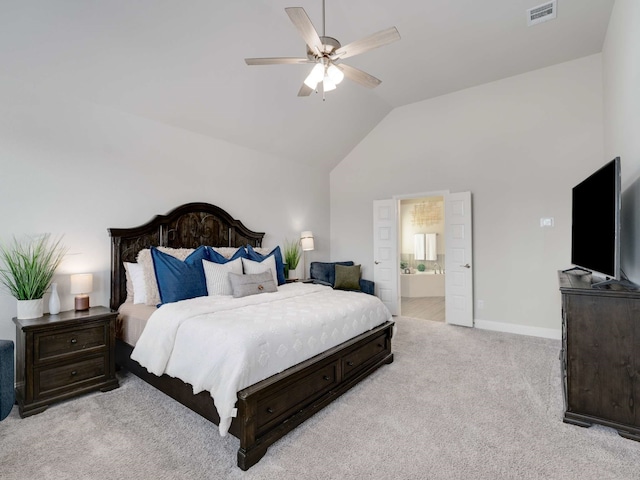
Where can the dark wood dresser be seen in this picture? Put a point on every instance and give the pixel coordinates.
(600, 355)
(61, 356)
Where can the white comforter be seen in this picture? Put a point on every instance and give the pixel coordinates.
(223, 345)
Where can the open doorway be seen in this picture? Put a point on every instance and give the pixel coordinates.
(422, 242)
(458, 265)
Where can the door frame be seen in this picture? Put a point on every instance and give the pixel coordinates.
(398, 199)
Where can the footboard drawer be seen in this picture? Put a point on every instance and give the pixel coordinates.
(272, 409)
(359, 358)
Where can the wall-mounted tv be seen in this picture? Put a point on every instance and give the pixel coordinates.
(595, 222)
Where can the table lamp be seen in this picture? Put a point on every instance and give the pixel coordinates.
(306, 242)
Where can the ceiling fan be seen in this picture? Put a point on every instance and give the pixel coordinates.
(327, 54)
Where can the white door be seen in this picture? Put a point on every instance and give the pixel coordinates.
(385, 246)
(458, 261)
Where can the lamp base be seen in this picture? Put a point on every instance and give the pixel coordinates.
(82, 303)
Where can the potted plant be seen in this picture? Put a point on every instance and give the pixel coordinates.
(292, 256)
(29, 266)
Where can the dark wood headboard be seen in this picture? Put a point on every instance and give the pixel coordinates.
(187, 226)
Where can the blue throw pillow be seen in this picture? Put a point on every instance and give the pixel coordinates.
(256, 257)
(215, 257)
(178, 280)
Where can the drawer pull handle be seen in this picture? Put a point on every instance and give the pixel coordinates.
(327, 378)
(74, 340)
(379, 345)
(74, 373)
(269, 410)
(350, 364)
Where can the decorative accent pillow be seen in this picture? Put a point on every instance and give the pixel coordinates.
(178, 280)
(151, 284)
(252, 284)
(217, 276)
(136, 288)
(347, 278)
(267, 265)
(277, 254)
(129, 282)
(226, 254)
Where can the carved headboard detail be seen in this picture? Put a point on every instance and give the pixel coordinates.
(187, 226)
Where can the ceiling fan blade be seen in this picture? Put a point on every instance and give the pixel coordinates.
(276, 61)
(306, 29)
(305, 90)
(376, 40)
(359, 76)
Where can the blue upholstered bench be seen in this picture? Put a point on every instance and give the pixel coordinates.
(324, 273)
(7, 391)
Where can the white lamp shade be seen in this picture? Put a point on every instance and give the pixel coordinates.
(81, 283)
(335, 74)
(327, 84)
(316, 75)
(306, 240)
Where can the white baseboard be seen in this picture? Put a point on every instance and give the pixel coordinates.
(519, 329)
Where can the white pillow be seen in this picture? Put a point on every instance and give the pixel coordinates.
(136, 274)
(217, 276)
(269, 263)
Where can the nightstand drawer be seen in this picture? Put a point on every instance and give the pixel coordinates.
(49, 381)
(60, 343)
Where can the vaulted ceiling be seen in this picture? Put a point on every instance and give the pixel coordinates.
(182, 62)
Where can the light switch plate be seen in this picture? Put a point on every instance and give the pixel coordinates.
(546, 222)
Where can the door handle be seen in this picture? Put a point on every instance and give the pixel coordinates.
(376, 262)
(466, 265)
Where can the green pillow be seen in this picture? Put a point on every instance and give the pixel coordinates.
(347, 278)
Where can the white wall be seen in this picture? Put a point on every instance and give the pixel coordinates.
(77, 169)
(621, 67)
(519, 145)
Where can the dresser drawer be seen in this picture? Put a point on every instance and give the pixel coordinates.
(51, 381)
(352, 362)
(274, 408)
(57, 344)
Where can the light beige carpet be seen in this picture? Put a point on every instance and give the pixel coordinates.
(456, 404)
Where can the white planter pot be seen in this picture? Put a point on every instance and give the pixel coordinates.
(292, 275)
(30, 308)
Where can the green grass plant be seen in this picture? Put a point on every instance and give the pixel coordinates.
(292, 254)
(29, 265)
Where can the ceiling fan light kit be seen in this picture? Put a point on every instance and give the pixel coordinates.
(327, 53)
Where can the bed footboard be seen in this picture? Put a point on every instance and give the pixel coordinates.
(273, 407)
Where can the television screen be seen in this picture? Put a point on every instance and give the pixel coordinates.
(595, 229)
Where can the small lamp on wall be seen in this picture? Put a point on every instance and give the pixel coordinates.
(306, 242)
(81, 286)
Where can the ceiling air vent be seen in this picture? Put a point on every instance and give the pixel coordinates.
(541, 13)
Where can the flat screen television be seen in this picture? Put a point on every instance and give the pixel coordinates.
(595, 222)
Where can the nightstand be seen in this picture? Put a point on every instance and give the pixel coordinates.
(62, 356)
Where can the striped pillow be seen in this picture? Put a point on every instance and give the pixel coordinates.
(217, 276)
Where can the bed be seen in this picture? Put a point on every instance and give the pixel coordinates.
(270, 408)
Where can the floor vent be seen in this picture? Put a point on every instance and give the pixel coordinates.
(541, 13)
